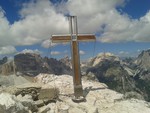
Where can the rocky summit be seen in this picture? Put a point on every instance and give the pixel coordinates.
(110, 84)
(49, 93)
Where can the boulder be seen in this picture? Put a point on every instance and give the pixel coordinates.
(10, 104)
(28, 102)
(44, 109)
(91, 76)
(39, 103)
(63, 108)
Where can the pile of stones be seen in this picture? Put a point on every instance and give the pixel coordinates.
(27, 98)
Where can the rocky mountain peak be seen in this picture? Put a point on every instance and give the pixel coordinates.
(66, 60)
(101, 57)
(32, 64)
(3, 60)
(143, 60)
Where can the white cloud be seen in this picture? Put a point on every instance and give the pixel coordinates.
(36, 51)
(91, 13)
(41, 19)
(138, 50)
(128, 54)
(82, 52)
(48, 44)
(123, 53)
(59, 53)
(122, 28)
(55, 53)
(7, 50)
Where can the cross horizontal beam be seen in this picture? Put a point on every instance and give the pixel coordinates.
(67, 38)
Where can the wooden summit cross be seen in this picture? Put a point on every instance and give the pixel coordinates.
(74, 38)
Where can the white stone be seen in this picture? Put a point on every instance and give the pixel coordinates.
(63, 108)
(44, 109)
(76, 110)
(99, 99)
(10, 104)
(27, 102)
(93, 110)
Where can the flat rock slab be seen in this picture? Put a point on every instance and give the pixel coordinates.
(29, 85)
(26, 88)
(49, 93)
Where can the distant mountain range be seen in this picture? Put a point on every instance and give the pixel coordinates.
(130, 76)
(32, 64)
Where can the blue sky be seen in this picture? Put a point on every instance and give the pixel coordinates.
(121, 26)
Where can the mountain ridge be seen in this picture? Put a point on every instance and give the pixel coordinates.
(126, 76)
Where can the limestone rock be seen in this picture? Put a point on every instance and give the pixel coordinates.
(27, 102)
(93, 110)
(99, 99)
(44, 109)
(12, 90)
(143, 60)
(7, 68)
(76, 110)
(91, 76)
(63, 108)
(53, 108)
(39, 103)
(49, 93)
(9, 104)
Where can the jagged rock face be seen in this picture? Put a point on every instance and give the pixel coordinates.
(123, 75)
(33, 64)
(142, 78)
(9, 104)
(114, 75)
(66, 60)
(108, 69)
(3, 61)
(27, 62)
(143, 60)
(57, 67)
(7, 68)
(101, 57)
(93, 62)
(141, 68)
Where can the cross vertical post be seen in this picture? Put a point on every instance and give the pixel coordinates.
(74, 38)
(78, 91)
